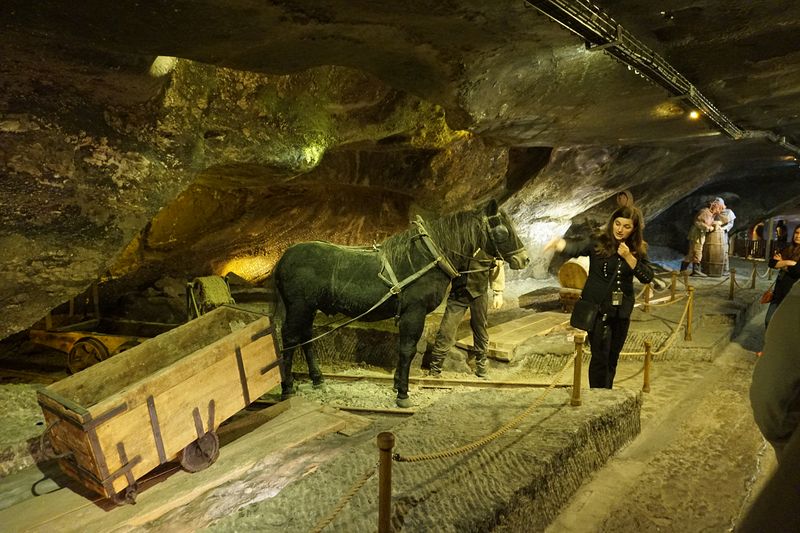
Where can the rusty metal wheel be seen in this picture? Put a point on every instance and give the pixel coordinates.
(201, 453)
(84, 353)
(126, 496)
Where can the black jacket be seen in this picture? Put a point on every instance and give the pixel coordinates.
(601, 269)
(783, 284)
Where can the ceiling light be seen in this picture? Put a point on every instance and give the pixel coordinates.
(694, 115)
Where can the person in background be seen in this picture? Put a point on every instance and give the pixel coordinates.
(470, 291)
(775, 387)
(786, 261)
(757, 248)
(703, 223)
(726, 216)
(780, 231)
(619, 248)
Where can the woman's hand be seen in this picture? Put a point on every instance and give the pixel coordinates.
(625, 253)
(556, 243)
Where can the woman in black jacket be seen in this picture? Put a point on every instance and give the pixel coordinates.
(785, 260)
(618, 247)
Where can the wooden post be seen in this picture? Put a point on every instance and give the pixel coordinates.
(580, 339)
(689, 315)
(753, 276)
(646, 306)
(648, 356)
(733, 284)
(686, 278)
(673, 286)
(385, 445)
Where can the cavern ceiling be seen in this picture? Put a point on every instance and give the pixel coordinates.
(144, 139)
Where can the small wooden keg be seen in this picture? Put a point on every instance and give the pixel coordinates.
(572, 277)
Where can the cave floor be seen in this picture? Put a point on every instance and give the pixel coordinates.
(686, 456)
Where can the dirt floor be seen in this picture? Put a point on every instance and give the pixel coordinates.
(684, 457)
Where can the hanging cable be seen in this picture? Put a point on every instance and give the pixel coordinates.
(600, 32)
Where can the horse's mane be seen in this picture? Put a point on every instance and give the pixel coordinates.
(457, 232)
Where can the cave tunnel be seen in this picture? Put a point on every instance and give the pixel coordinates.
(159, 160)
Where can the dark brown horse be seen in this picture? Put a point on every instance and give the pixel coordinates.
(407, 277)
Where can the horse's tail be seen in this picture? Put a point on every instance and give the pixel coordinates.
(279, 308)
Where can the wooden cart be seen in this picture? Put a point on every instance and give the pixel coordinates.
(90, 341)
(160, 401)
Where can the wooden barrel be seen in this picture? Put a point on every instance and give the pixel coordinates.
(713, 261)
(573, 273)
(572, 277)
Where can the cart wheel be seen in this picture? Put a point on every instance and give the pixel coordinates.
(201, 453)
(126, 346)
(85, 353)
(126, 496)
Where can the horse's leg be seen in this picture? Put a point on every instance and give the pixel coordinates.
(311, 359)
(412, 322)
(293, 333)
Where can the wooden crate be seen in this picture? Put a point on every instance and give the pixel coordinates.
(119, 419)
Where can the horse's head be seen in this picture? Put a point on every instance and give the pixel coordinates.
(503, 241)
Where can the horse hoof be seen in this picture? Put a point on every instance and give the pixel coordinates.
(319, 386)
(404, 402)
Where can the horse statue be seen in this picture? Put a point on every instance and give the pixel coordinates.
(407, 276)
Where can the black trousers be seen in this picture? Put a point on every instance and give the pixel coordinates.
(606, 341)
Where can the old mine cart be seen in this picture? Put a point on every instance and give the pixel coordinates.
(90, 341)
(160, 401)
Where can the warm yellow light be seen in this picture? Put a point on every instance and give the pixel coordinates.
(694, 115)
(250, 268)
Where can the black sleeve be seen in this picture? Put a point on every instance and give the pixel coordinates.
(578, 247)
(643, 271)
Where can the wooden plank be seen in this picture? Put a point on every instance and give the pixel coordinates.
(504, 338)
(122, 371)
(65, 511)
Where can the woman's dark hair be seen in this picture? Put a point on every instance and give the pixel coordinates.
(606, 243)
(792, 251)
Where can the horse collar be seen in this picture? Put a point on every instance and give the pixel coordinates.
(440, 258)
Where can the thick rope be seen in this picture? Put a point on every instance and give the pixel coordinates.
(330, 517)
(670, 340)
(488, 438)
(630, 377)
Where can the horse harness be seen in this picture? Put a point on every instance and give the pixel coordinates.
(395, 286)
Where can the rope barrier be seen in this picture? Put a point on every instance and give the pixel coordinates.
(488, 438)
(343, 501)
(671, 339)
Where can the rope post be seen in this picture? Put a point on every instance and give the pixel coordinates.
(580, 339)
(733, 284)
(648, 357)
(385, 445)
(673, 286)
(689, 315)
(646, 306)
(686, 279)
(753, 276)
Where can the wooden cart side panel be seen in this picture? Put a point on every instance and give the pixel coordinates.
(174, 408)
(183, 369)
(113, 376)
